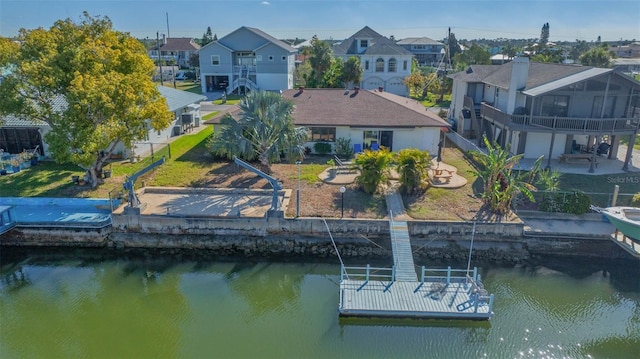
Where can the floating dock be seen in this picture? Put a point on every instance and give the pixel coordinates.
(398, 293)
(441, 294)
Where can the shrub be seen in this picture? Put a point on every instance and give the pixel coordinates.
(374, 167)
(412, 165)
(344, 148)
(635, 201)
(322, 148)
(576, 202)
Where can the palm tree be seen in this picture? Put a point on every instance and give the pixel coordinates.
(265, 131)
(412, 168)
(374, 167)
(501, 182)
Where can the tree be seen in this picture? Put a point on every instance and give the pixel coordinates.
(332, 77)
(374, 167)
(453, 46)
(352, 71)
(91, 84)
(544, 34)
(321, 58)
(412, 167)
(265, 131)
(597, 56)
(302, 74)
(194, 60)
(501, 182)
(416, 82)
(207, 37)
(578, 49)
(474, 55)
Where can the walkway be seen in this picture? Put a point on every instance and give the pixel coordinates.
(405, 270)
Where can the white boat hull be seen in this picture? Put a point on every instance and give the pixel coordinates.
(625, 219)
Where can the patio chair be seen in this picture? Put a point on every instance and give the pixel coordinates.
(357, 147)
(342, 165)
(374, 146)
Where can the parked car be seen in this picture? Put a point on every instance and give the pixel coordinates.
(181, 76)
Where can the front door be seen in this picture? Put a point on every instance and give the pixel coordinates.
(386, 139)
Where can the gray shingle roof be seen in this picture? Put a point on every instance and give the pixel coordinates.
(500, 75)
(263, 34)
(338, 107)
(379, 45)
(179, 44)
(418, 41)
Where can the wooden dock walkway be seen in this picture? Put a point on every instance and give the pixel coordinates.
(405, 270)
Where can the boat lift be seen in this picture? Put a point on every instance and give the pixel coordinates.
(277, 186)
(135, 206)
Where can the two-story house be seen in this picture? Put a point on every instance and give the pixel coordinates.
(175, 50)
(546, 109)
(384, 64)
(247, 59)
(427, 52)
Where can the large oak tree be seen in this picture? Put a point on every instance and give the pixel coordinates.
(90, 83)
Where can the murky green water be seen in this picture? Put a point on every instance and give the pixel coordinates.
(159, 308)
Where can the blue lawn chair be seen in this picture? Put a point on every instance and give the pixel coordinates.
(357, 148)
(374, 146)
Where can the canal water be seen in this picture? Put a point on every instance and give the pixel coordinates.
(81, 305)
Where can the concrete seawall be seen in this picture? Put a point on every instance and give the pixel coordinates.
(355, 238)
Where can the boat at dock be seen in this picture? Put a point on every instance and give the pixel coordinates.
(625, 219)
(627, 223)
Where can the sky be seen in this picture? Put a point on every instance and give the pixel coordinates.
(568, 20)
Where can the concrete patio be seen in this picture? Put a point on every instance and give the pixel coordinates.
(605, 166)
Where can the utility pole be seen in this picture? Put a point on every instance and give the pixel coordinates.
(159, 58)
(168, 33)
(446, 59)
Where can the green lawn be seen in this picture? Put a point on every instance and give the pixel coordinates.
(49, 179)
(186, 85)
(231, 100)
(636, 143)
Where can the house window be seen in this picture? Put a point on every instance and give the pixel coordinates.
(364, 43)
(270, 58)
(404, 65)
(259, 57)
(369, 138)
(554, 106)
(379, 65)
(366, 65)
(215, 60)
(392, 65)
(322, 134)
(418, 47)
(609, 107)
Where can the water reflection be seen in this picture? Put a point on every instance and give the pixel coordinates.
(148, 305)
